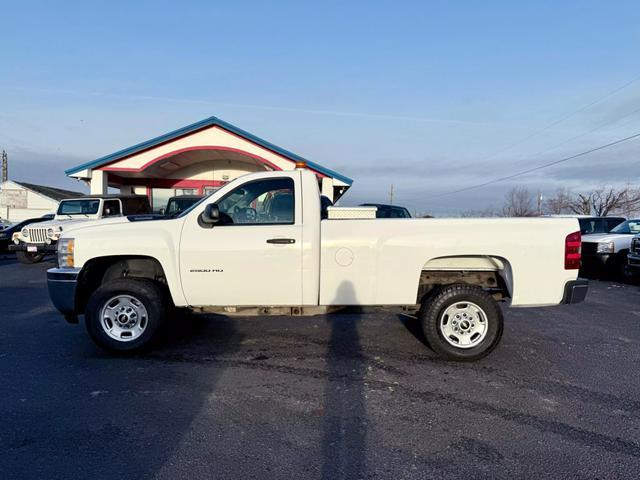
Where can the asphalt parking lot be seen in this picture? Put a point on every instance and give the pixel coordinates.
(339, 396)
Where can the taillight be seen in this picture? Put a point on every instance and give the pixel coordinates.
(572, 251)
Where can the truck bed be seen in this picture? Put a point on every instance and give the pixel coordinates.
(379, 262)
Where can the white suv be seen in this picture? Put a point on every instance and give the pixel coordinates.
(36, 240)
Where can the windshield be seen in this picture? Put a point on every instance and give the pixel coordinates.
(178, 205)
(79, 207)
(630, 227)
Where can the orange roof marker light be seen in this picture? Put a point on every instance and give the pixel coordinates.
(300, 165)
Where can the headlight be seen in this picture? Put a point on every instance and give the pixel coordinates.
(65, 253)
(606, 247)
(25, 232)
(50, 232)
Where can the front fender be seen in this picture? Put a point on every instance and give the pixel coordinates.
(158, 240)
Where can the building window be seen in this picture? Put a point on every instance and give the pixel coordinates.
(160, 197)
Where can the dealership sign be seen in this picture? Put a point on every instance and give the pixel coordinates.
(13, 198)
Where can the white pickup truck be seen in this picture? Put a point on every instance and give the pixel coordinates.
(261, 243)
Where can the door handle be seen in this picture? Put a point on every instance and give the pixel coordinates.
(281, 241)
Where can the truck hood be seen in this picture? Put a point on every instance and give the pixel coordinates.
(117, 222)
(67, 225)
(617, 238)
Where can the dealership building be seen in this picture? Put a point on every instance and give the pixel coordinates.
(196, 159)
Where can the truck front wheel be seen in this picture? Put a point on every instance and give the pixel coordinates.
(125, 314)
(29, 258)
(461, 322)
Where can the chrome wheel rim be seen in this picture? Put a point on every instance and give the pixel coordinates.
(464, 324)
(124, 318)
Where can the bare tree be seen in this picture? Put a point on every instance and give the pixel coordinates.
(630, 206)
(486, 213)
(559, 203)
(581, 204)
(518, 203)
(604, 201)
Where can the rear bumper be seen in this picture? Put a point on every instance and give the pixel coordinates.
(575, 291)
(62, 283)
(29, 247)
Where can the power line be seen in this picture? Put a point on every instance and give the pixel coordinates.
(575, 137)
(549, 126)
(540, 167)
(561, 119)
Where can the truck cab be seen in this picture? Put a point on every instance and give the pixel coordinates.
(261, 244)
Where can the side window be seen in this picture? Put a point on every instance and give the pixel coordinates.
(263, 202)
(383, 212)
(111, 208)
(399, 213)
(135, 206)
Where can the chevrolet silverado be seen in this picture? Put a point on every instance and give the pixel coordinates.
(260, 243)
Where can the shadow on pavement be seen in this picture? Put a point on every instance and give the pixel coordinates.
(412, 324)
(142, 408)
(344, 430)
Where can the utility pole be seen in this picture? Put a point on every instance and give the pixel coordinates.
(391, 195)
(539, 204)
(5, 166)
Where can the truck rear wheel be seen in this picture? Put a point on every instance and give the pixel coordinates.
(29, 258)
(461, 322)
(125, 314)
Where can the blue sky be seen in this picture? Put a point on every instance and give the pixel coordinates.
(429, 96)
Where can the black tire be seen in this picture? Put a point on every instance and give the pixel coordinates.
(29, 258)
(150, 294)
(432, 311)
(630, 276)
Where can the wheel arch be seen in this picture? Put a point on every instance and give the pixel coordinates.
(492, 273)
(99, 270)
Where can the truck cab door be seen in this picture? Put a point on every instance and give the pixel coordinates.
(253, 255)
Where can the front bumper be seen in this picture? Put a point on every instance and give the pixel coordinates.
(46, 248)
(597, 261)
(575, 291)
(62, 283)
(633, 261)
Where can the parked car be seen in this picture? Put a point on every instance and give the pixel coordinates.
(388, 211)
(592, 225)
(32, 243)
(283, 259)
(178, 204)
(633, 258)
(7, 233)
(606, 253)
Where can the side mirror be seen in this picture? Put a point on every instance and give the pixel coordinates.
(162, 211)
(211, 215)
